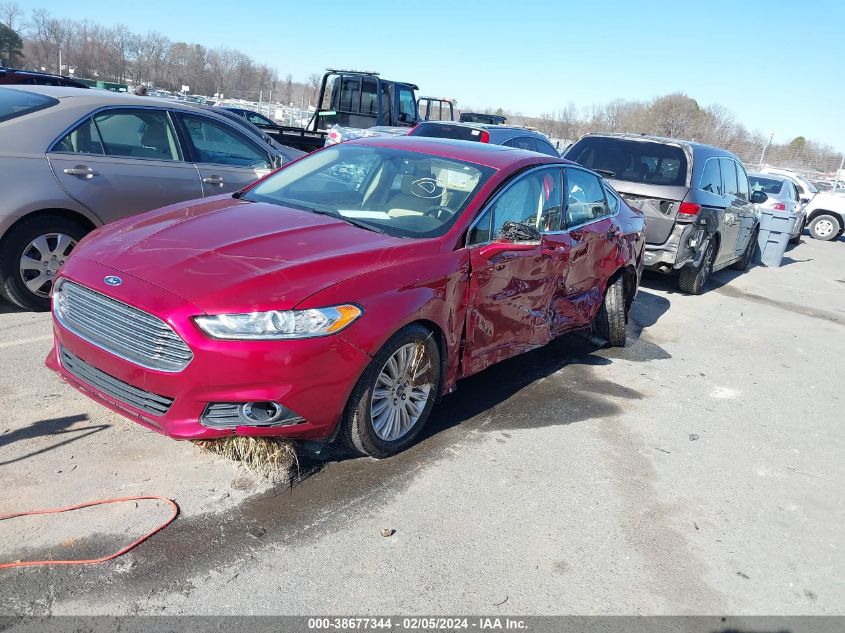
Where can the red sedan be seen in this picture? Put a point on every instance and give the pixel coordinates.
(343, 294)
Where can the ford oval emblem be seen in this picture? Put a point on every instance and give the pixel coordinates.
(111, 280)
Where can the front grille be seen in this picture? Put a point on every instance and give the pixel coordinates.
(120, 329)
(146, 401)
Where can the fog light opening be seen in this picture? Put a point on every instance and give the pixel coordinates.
(263, 412)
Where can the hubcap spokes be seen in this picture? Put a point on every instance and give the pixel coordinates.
(41, 260)
(401, 392)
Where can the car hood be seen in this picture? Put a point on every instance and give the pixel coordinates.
(228, 255)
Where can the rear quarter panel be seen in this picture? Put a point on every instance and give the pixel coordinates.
(28, 185)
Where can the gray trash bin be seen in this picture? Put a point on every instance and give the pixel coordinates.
(773, 238)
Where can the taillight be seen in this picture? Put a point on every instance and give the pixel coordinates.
(688, 210)
(779, 206)
(485, 137)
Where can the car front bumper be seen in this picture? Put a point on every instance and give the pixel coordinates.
(311, 377)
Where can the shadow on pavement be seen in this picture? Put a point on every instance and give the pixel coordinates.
(9, 308)
(49, 428)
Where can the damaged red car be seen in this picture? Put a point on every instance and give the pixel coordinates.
(343, 295)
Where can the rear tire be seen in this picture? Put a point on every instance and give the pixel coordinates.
(609, 322)
(18, 242)
(825, 227)
(404, 376)
(694, 280)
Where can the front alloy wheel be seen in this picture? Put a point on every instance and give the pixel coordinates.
(401, 391)
(393, 398)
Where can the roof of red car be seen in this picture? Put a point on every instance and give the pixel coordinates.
(495, 156)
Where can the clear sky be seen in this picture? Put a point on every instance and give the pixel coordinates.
(776, 66)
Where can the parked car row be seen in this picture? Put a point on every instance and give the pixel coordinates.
(343, 295)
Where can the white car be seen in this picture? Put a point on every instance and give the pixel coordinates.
(782, 195)
(806, 189)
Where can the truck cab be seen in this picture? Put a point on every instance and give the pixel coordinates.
(362, 99)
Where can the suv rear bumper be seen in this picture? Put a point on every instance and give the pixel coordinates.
(677, 251)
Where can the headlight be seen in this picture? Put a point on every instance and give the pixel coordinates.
(276, 324)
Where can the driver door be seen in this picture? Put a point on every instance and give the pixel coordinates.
(512, 281)
(226, 160)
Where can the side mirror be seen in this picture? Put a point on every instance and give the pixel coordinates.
(758, 197)
(518, 232)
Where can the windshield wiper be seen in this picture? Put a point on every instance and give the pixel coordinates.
(605, 172)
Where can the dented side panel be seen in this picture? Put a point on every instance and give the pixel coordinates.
(508, 309)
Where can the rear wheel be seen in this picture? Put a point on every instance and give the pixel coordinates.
(609, 322)
(393, 398)
(825, 227)
(694, 280)
(32, 253)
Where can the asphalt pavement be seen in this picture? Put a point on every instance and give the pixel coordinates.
(697, 471)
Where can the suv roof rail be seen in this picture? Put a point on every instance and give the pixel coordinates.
(350, 71)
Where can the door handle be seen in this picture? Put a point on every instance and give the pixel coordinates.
(213, 180)
(83, 171)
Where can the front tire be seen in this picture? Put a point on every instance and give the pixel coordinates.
(694, 280)
(392, 400)
(825, 227)
(31, 255)
(609, 322)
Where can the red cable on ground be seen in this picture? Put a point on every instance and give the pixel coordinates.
(136, 543)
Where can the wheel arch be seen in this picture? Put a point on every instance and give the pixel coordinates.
(440, 338)
(69, 214)
(817, 212)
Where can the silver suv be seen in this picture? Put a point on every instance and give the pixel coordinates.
(700, 210)
(73, 159)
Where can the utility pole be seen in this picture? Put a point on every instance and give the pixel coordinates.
(60, 61)
(763, 155)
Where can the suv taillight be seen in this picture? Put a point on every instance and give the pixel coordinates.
(688, 211)
(485, 137)
(779, 206)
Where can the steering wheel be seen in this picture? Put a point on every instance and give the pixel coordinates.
(426, 188)
(440, 212)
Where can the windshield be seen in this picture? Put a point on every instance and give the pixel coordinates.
(397, 192)
(634, 161)
(768, 186)
(15, 103)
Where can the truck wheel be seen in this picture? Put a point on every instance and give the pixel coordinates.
(609, 322)
(32, 253)
(825, 227)
(393, 398)
(694, 280)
